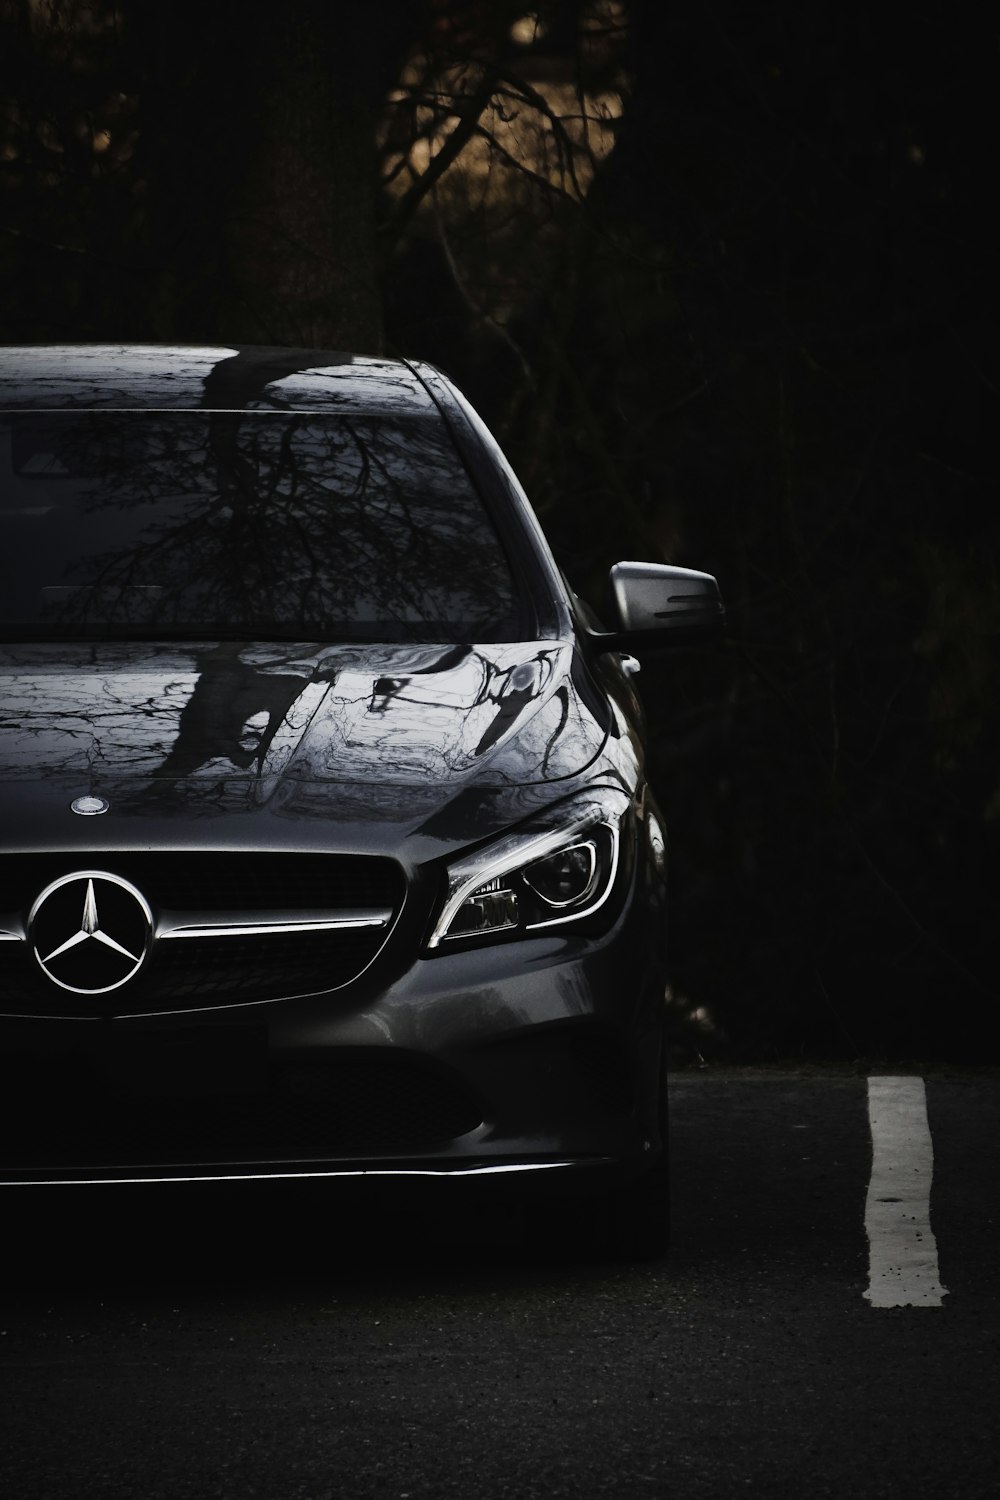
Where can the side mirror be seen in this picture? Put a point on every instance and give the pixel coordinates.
(659, 605)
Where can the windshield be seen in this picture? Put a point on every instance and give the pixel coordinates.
(245, 524)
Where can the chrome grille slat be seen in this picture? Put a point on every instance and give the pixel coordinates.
(272, 923)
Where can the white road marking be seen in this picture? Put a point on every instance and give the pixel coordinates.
(902, 1252)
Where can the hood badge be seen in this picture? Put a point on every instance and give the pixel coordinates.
(89, 807)
(90, 932)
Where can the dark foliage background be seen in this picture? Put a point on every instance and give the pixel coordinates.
(721, 278)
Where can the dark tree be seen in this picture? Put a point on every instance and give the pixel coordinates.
(197, 170)
(793, 271)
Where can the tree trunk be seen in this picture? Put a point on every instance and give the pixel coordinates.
(258, 151)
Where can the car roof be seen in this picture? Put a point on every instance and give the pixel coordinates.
(217, 377)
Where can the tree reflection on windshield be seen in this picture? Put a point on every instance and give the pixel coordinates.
(281, 524)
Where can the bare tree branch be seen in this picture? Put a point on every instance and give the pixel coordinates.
(468, 119)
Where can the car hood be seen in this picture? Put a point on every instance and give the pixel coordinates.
(229, 726)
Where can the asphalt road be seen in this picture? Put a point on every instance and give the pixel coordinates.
(202, 1348)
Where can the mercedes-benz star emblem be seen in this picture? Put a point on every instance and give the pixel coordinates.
(90, 931)
(90, 807)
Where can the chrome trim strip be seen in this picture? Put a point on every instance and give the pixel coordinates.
(221, 924)
(502, 1168)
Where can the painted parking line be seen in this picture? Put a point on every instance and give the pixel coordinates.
(902, 1252)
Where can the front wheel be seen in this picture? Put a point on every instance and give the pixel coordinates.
(638, 1210)
(628, 1220)
(638, 1214)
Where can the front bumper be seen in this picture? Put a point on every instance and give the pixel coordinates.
(527, 1059)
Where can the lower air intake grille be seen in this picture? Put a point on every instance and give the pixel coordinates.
(78, 1112)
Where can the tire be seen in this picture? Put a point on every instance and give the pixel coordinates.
(639, 1209)
(627, 1221)
(638, 1215)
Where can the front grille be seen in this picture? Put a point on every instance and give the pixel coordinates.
(185, 973)
(74, 1112)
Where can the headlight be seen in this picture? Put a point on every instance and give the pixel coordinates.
(558, 870)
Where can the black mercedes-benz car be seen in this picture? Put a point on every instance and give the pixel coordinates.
(326, 846)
